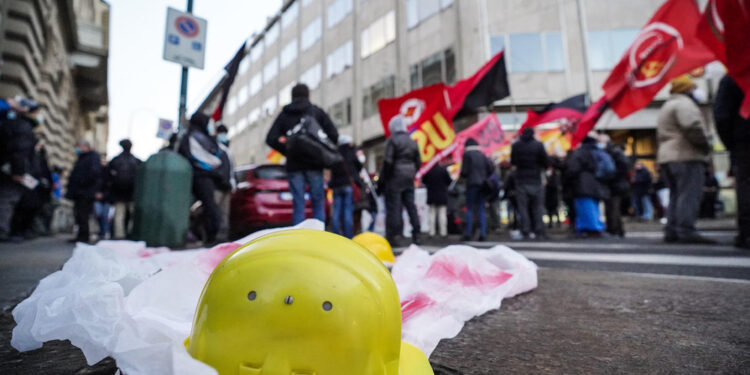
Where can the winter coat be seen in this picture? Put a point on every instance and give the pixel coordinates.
(346, 172)
(681, 131)
(581, 172)
(203, 153)
(120, 177)
(289, 117)
(733, 130)
(402, 160)
(642, 181)
(225, 177)
(17, 141)
(85, 179)
(619, 185)
(475, 167)
(437, 180)
(530, 159)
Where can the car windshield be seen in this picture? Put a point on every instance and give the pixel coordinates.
(270, 173)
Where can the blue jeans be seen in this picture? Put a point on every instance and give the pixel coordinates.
(297, 182)
(475, 201)
(648, 209)
(101, 210)
(343, 206)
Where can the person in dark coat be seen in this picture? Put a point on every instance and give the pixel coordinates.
(530, 159)
(344, 178)
(618, 185)
(475, 169)
(396, 181)
(29, 208)
(302, 173)
(225, 183)
(17, 140)
(710, 195)
(121, 176)
(642, 181)
(734, 132)
(85, 187)
(204, 156)
(437, 180)
(552, 196)
(587, 190)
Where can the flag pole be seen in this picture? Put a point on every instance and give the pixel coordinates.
(580, 4)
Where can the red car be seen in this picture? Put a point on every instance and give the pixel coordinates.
(262, 199)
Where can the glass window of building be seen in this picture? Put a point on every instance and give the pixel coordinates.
(256, 83)
(385, 88)
(553, 50)
(244, 65)
(439, 67)
(606, 47)
(497, 44)
(432, 70)
(378, 34)
(450, 67)
(526, 53)
(271, 35)
(285, 95)
(290, 15)
(269, 106)
(340, 59)
(311, 77)
(311, 34)
(256, 52)
(254, 115)
(337, 12)
(420, 10)
(341, 113)
(289, 53)
(242, 95)
(270, 70)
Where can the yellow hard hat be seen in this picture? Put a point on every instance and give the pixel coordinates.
(302, 301)
(377, 245)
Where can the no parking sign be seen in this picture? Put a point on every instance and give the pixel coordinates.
(185, 39)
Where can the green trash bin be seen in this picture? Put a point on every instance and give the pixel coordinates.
(162, 200)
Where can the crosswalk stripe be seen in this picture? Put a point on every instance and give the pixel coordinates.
(681, 260)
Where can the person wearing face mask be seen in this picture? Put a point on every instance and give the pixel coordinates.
(17, 140)
(225, 182)
(85, 187)
(684, 148)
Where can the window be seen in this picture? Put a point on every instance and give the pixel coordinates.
(271, 35)
(289, 53)
(244, 65)
(555, 58)
(269, 106)
(270, 70)
(440, 67)
(285, 95)
(256, 52)
(231, 105)
(337, 12)
(532, 52)
(241, 125)
(386, 88)
(606, 47)
(311, 33)
(420, 10)
(378, 34)
(497, 44)
(311, 77)
(306, 2)
(256, 83)
(253, 116)
(341, 113)
(340, 59)
(242, 95)
(290, 15)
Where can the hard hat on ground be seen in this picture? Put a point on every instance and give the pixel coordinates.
(377, 245)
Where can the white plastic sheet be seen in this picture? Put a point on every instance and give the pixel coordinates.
(136, 304)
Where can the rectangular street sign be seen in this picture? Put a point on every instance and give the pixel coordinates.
(165, 129)
(185, 39)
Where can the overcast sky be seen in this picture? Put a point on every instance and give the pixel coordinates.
(143, 87)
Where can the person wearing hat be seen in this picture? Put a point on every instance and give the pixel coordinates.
(684, 148)
(121, 172)
(204, 155)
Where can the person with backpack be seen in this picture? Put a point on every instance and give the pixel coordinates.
(437, 180)
(530, 159)
(476, 168)
(618, 185)
(304, 171)
(587, 166)
(121, 175)
(684, 148)
(344, 180)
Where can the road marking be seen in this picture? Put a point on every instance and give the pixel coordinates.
(686, 277)
(602, 245)
(681, 260)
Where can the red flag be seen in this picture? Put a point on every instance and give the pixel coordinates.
(570, 110)
(725, 30)
(664, 49)
(416, 106)
(589, 120)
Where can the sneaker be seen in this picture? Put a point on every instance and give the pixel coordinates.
(393, 242)
(515, 235)
(482, 238)
(465, 238)
(415, 239)
(695, 238)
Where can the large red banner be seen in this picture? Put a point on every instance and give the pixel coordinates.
(487, 132)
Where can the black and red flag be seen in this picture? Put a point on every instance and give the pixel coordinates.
(570, 110)
(588, 121)
(725, 30)
(227, 81)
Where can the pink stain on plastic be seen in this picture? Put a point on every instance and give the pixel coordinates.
(454, 270)
(209, 259)
(148, 252)
(415, 304)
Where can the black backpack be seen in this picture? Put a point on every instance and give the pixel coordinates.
(122, 172)
(307, 141)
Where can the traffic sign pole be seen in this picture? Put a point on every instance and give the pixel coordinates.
(183, 85)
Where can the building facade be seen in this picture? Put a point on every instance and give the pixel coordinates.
(55, 51)
(354, 52)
